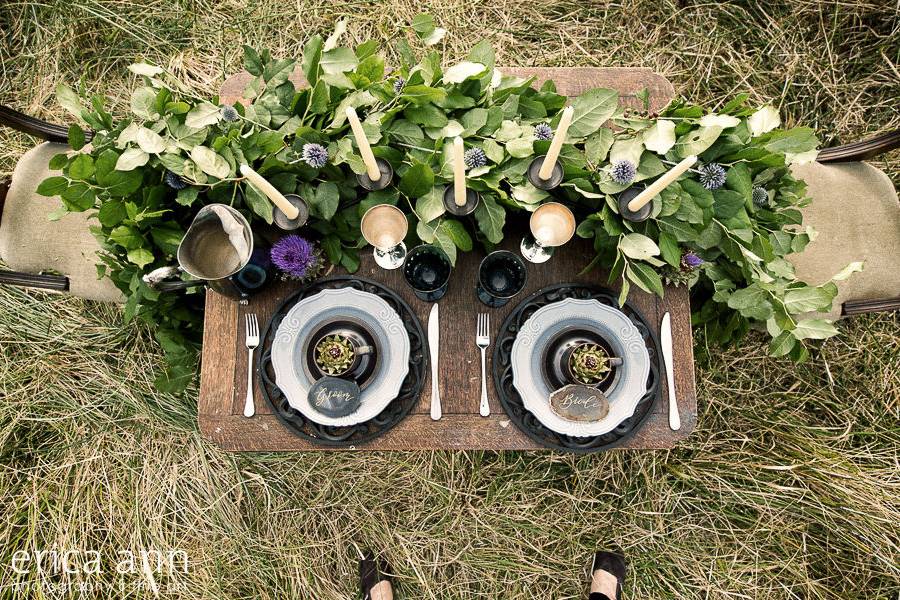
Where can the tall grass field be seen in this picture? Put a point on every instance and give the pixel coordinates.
(788, 489)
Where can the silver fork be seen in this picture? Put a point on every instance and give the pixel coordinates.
(483, 340)
(252, 343)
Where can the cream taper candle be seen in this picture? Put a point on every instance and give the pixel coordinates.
(660, 184)
(277, 198)
(365, 151)
(459, 173)
(556, 145)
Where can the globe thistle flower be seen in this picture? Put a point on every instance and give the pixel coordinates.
(760, 197)
(623, 172)
(712, 176)
(398, 85)
(315, 155)
(229, 114)
(474, 158)
(690, 261)
(174, 181)
(542, 131)
(296, 257)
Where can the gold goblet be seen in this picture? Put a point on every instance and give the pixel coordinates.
(552, 224)
(384, 226)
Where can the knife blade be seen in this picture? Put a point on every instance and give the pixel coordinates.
(433, 342)
(665, 339)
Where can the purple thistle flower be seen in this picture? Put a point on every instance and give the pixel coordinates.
(295, 256)
(623, 172)
(315, 155)
(174, 181)
(690, 261)
(712, 176)
(543, 131)
(398, 85)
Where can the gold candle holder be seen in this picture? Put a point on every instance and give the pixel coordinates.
(384, 226)
(551, 225)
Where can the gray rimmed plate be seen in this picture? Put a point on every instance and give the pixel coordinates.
(574, 314)
(294, 379)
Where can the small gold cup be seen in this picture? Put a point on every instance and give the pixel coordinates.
(384, 226)
(552, 224)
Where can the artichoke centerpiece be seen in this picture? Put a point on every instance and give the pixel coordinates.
(335, 354)
(589, 363)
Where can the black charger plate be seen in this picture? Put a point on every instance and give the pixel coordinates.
(512, 401)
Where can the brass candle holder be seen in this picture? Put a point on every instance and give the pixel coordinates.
(551, 225)
(384, 226)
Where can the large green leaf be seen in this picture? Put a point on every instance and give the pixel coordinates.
(591, 110)
(312, 54)
(338, 60)
(491, 217)
(645, 277)
(430, 206)
(417, 180)
(814, 329)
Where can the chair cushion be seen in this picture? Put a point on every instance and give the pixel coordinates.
(30, 242)
(855, 210)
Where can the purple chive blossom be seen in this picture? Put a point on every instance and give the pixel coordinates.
(229, 114)
(623, 172)
(712, 176)
(295, 256)
(474, 158)
(315, 155)
(690, 261)
(543, 131)
(398, 85)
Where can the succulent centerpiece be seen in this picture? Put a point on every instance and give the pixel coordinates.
(335, 354)
(589, 363)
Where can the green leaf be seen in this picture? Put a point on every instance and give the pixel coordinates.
(187, 196)
(167, 237)
(727, 203)
(111, 213)
(806, 299)
(70, 101)
(258, 203)
(847, 271)
(645, 277)
(456, 231)
(428, 115)
(794, 141)
(252, 62)
(739, 180)
(491, 217)
(78, 197)
(696, 141)
(493, 151)
(596, 147)
(462, 71)
(202, 115)
(140, 256)
(520, 148)
(748, 298)
(325, 201)
(638, 246)
(814, 329)
(423, 94)
(127, 237)
(211, 162)
(430, 206)
(782, 344)
(132, 158)
(338, 60)
(76, 137)
(312, 54)
(81, 167)
(668, 248)
(417, 181)
(53, 186)
(591, 110)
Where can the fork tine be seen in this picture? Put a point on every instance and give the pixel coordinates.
(255, 326)
(487, 324)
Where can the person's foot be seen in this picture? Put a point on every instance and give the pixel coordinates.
(373, 583)
(607, 576)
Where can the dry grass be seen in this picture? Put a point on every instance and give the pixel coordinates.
(788, 489)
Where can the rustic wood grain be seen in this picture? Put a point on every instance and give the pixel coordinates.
(223, 374)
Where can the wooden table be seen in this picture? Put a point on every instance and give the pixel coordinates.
(224, 369)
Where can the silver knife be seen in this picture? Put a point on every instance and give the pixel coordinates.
(433, 340)
(665, 338)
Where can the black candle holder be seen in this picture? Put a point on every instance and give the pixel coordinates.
(282, 220)
(556, 176)
(387, 175)
(427, 271)
(473, 198)
(636, 216)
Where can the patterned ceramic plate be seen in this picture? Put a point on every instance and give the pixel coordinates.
(569, 315)
(293, 336)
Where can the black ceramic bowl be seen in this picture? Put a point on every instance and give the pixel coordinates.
(556, 354)
(363, 368)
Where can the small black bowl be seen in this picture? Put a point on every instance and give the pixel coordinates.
(363, 367)
(427, 271)
(501, 275)
(555, 359)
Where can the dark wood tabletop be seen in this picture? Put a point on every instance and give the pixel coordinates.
(224, 367)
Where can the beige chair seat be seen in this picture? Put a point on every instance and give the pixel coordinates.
(30, 242)
(855, 210)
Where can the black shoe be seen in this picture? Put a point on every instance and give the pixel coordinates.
(372, 577)
(612, 563)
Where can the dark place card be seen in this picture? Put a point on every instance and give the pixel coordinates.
(334, 397)
(579, 403)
